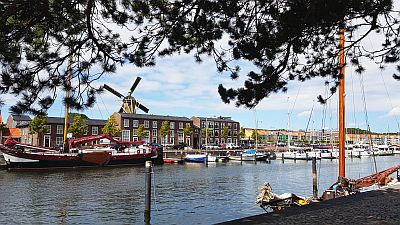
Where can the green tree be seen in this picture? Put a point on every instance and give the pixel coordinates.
(78, 128)
(188, 130)
(255, 135)
(38, 126)
(85, 117)
(111, 127)
(284, 40)
(206, 133)
(242, 133)
(224, 133)
(164, 131)
(140, 132)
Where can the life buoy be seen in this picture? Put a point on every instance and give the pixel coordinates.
(138, 151)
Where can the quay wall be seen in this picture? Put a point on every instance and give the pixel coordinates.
(374, 207)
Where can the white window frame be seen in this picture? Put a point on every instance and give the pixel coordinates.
(154, 124)
(172, 125)
(126, 122)
(154, 133)
(48, 129)
(126, 135)
(181, 137)
(180, 125)
(135, 123)
(44, 141)
(95, 130)
(146, 124)
(59, 140)
(60, 129)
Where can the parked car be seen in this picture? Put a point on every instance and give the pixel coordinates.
(231, 146)
(180, 146)
(210, 147)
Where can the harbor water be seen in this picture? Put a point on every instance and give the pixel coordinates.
(182, 193)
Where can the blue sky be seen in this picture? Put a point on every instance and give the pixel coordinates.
(180, 87)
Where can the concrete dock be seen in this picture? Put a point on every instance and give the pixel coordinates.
(374, 207)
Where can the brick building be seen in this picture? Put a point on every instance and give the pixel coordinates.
(55, 131)
(216, 125)
(129, 123)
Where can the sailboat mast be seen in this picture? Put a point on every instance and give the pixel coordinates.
(67, 95)
(342, 131)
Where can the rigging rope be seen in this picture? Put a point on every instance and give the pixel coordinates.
(366, 120)
(390, 101)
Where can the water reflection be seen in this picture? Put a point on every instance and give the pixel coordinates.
(184, 193)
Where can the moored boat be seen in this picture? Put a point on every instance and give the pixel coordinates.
(248, 155)
(200, 158)
(22, 156)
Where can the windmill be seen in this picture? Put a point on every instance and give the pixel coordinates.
(129, 103)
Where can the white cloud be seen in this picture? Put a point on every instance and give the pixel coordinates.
(304, 114)
(394, 112)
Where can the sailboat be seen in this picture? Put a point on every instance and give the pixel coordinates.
(345, 186)
(74, 154)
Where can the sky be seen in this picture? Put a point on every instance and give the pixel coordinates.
(178, 86)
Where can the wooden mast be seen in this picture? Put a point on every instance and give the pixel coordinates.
(342, 130)
(67, 95)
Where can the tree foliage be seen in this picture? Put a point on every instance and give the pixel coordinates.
(111, 127)
(224, 133)
(242, 133)
(78, 127)
(255, 135)
(206, 133)
(187, 130)
(285, 40)
(140, 132)
(78, 114)
(38, 125)
(164, 130)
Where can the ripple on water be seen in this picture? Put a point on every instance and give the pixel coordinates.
(183, 194)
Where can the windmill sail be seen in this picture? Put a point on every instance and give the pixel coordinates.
(129, 103)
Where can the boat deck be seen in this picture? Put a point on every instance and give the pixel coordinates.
(374, 207)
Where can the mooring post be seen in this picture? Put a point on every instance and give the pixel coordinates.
(147, 204)
(314, 177)
(206, 159)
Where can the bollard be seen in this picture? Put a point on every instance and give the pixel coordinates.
(283, 157)
(314, 177)
(147, 204)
